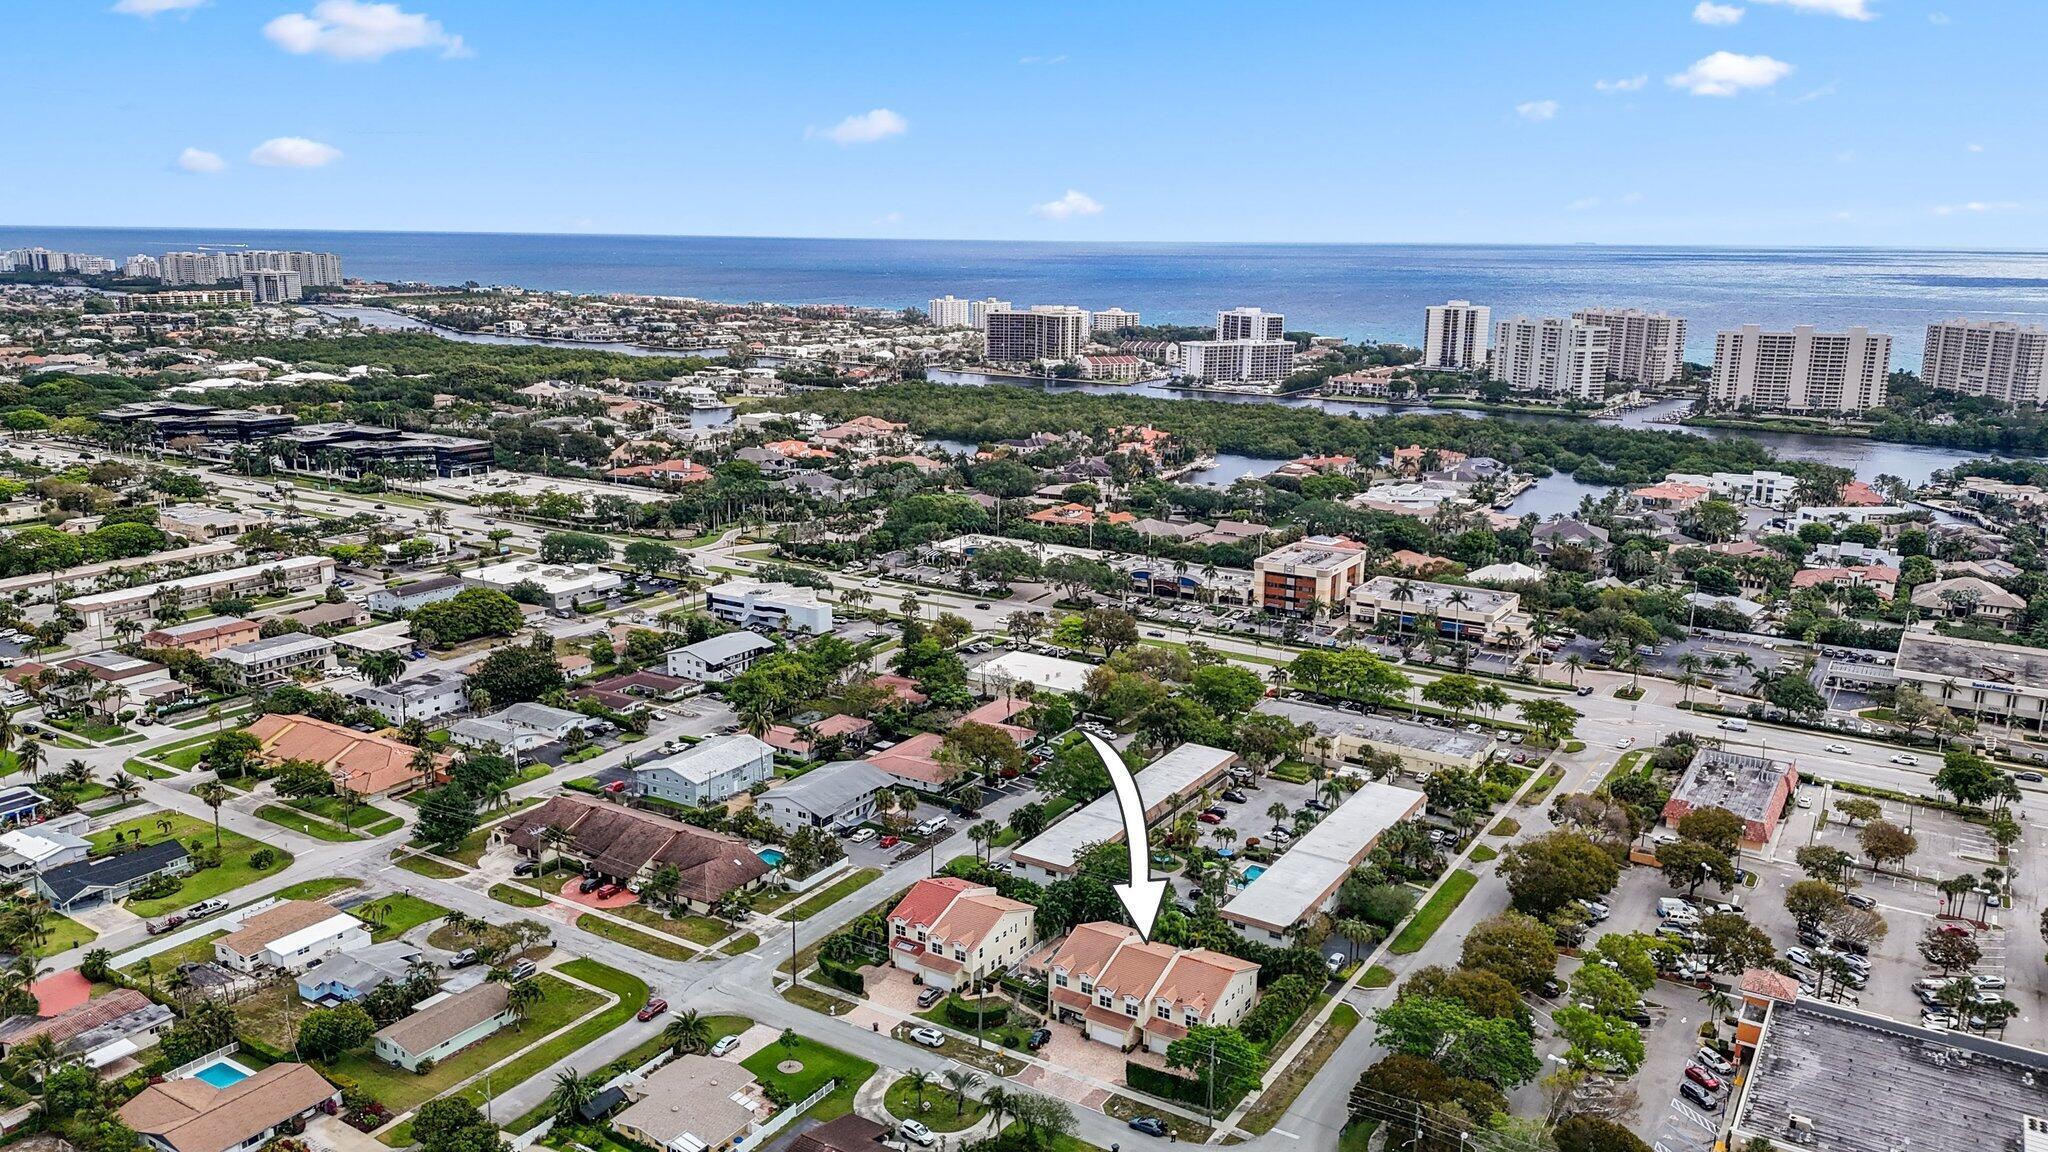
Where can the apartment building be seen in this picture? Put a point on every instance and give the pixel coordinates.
(204, 637)
(1455, 336)
(1802, 372)
(1237, 361)
(1315, 570)
(1552, 357)
(1642, 347)
(1994, 358)
(292, 574)
(951, 932)
(1123, 991)
(273, 286)
(430, 695)
(262, 663)
(1043, 332)
(949, 311)
(707, 773)
(1114, 320)
(1250, 324)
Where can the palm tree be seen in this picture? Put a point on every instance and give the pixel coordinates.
(30, 758)
(687, 1033)
(41, 1051)
(123, 785)
(573, 1091)
(1357, 933)
(213, 794)
(1278, 811)
(961, 1081)
(521, 999)
(997, 1100)
(919, 1078)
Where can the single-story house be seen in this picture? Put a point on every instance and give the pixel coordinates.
(362, 763)
(694, 1104)
(444, 1025)
(38, 849)
(354, 975)
(626, 845)
(191, 1115)
(111, 878)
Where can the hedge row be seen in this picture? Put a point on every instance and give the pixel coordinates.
(1181, 1089)
(992, 1013)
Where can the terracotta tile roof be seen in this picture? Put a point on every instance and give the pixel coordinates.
(1089, 948)
(359, 761)
(903, 686)
(194, 1116)
(622, 841)
(1136, 969)
(929, 898)
(973, 916)
(80, 1019)
(916, 759)
(275, 923)
(1775, 985)
(1198, 979)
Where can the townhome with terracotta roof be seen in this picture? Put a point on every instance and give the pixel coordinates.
(1122, 991)
(1877, 577)
(627, 845)
(950, 933)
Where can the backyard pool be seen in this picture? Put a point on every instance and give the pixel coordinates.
(1253, 872)
(772, 857)
(222, 1073)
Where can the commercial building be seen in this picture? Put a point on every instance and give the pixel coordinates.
(1005, 672)
(784, 607)
(1474, 615)
(400, 599)
(717, 659)
(445, 1024)
(430, 695)
(1123, 991)
(1642, 347)
(1302, 884)
(559, 586)
(192, 1115)
(110, 879)
(1421, 748)
(840, 795)
(951, 933)
(1551, 357)
(202, 522)
(363, 763)
(163, 421)
(1994, 358)
(1756, 788)
(1167, 785)
(2005, 684)
(1237, 361)
(1315, 573)
(709, 772)
(1802, 372)
(626, 845)
(345, 449)
(290, 937)
(276, 659)
(1043, 332)
(1455, 336)
(291, 574)
(267, 286)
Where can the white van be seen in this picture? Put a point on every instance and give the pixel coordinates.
(1671, 907)
(1734, 725)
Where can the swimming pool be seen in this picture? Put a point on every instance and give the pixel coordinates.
(772, 857)
(1253, 872)
(222, 1073)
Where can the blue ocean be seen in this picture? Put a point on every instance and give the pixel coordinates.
(1361, 291)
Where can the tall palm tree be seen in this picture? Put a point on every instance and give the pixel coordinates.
(687, 1032)
(573, 1091)
(919, 1080)
(961, 1081)
(521, 998)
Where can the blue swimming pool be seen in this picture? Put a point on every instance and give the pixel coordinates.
(1253, 872)
(772, 857)
(222, 1073)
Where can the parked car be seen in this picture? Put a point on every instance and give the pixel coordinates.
(1235, 796)
(930, 996)
(725, 1044)
(1706, 1101)
(1939, 1021)
(1860, 900)
(1584, 690)
(653, 1008)
(462, 959)
(1210, 818)
(891, 841)
(1149, 1125)
(862, 835)
(1703, 1078)
(916, 1133)
(526, 868)
(1713, 1062)
(522, 970)
(609, 891)
(590, 884)
(1988, 982)
(1800, 956)
(1039, 1038)
(929, 1037)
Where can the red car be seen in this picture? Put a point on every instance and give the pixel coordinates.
(1954, 930)
(891, 841)
(1210, 818)
(657, 1006)
(616, 786)
(609, 891)
(1693, 1072)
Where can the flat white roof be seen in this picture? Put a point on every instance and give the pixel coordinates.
(203, 580)
(1292, 887)
(552, 578)
(327, 929)
(1183, 770)
(1048, 672)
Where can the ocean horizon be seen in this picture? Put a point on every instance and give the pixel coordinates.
(1359, 291)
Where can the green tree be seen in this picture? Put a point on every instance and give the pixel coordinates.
(1594, 1040)
(1550, 871)
(1514, 946)
(326, 1033)
(1498, 1051)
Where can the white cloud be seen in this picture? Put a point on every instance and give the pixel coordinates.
(1625, 84)
(1975, 206)
(1072, 204)
(1727, 73)
(200, 160)
(293, 152)
(1820, 93)
(866, 128)
(148, 8)
(1846, 9)
(1716, 15)
(1974, 147)
(1846, 156)
(354, 30)
(1027, 61)
(889, 218)
(1537, 110)
(1937, 18)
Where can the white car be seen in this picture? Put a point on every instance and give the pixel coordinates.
(1839, 749)
(1988, 982)
(862, 835)
(1939, 1021)
(1906, 758)
(725, 1044)
(929, 1037)
(1624, 742)
(916, 1133)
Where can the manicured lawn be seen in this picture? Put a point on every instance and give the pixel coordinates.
(1482, 854)
(66, 934)
(305, 825)
(742, 943)
(665, 947)
(1376, 977)
(839, 890)
(145, 770)
(819, 1065)
(699, 930)
(428, 866)
(507, 893)
(166, 962)
(1292, 771)
(315, 889)
(1505, 826)
(398, 914)
(187, 758)
(336, 809)
(401, 1091)
(1357, 1136)
(935, 1107)
(1431, 916)
(234, 871)
(1280, 1096)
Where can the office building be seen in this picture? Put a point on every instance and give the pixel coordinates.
(267, 286)
(558, 586)
(751, 604)
(1993, 358)
(1237, 361)
(1314, 573)
(1642, 347)
(1455, 336)
(1045, 332)
(1114, 320)
(1756, 788)
(1250, 324)
(1802, 372)
(354, 449)
(1473, 615)
(1551, 357)
(161, 421)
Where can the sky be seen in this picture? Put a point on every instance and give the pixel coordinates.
(1886, 123)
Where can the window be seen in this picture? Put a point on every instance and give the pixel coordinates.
(1060, 979)
(1165, 1012)
(1103, 999)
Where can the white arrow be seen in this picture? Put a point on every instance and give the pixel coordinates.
(1141, 894)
